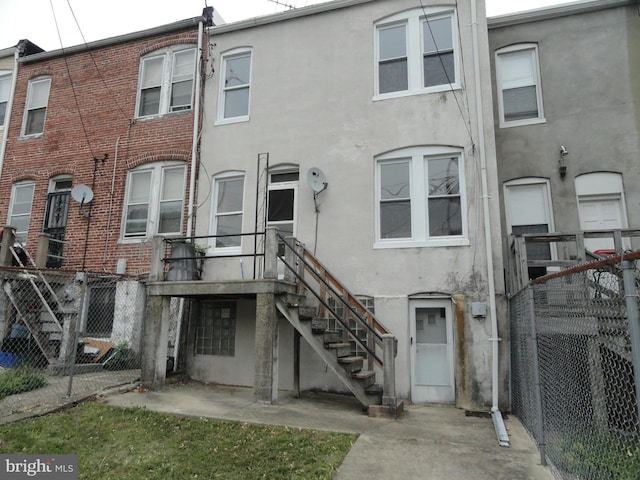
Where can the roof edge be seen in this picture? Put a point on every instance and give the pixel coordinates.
(106, 42)
(546, 13)
(286, 15)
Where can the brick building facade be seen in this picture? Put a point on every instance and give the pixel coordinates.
(116, 115)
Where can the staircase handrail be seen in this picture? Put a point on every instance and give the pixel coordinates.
(311, 263)
(35, 287)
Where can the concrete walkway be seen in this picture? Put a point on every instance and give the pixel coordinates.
(427, 442)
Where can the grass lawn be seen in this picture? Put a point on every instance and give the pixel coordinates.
(138, 444)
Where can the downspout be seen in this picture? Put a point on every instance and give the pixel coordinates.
(7, 117)
(192, 177)
(498, 423)
(196, 134)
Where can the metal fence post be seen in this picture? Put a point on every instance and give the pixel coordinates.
(536, 377)
(633, 317)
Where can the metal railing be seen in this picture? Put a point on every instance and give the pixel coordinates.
(575, 368)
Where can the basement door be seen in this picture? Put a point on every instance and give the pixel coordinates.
(432, 369)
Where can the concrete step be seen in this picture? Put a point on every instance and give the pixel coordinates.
(366, 378)
(331, 336)
(340, 349)
(351, 364)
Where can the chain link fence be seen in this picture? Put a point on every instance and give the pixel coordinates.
(574, 343)
(65, 335)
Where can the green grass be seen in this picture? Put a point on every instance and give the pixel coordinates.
(18, 380)
(137, 444)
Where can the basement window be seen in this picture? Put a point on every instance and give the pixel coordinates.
(216, 329)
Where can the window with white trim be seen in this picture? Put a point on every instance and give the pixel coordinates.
(20, 208)
(518, 82)
(166, 81)
(150, 210)
(5, 91)
(228, 200)
(420, 197)
(36, 107)
(416, 52)
(235, 86)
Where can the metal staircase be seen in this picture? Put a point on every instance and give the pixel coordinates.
(36, 304)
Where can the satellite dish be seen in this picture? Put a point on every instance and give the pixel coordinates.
(316, 180)
(82, 194)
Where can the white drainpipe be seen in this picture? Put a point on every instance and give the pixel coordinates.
(7, 118)
(501, 431)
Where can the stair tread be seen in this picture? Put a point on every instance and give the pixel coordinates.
(350, 359)
(338, 345)
(363, 374)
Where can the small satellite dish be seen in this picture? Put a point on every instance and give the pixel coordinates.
(316, 180)
(82, 194)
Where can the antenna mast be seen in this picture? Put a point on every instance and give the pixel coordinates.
(287, 5)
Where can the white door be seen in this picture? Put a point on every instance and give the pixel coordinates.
(600, 214)
(432, 367)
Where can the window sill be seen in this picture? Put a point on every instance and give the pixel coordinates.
(162, 115)
(440, 242)
(409, 93)
(521, 123)
(227, 121)
(32, 136)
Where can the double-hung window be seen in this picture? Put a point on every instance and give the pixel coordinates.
(416, 52)
(226, 222)
(166, 81)
(519, 92)
(155, 201)
(421, 198)
(235, 86)
(20, 208)
(36, 107)
(5, 92)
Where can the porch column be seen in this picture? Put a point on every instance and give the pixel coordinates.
(155, 337)
(8, 238)
(265, 383)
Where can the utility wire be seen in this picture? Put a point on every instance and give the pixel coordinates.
(94, 62)
(73, 89)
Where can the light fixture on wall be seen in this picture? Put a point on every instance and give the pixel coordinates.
(562, 167)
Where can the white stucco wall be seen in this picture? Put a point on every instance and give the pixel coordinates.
(312, 105)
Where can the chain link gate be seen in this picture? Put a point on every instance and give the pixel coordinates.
(574, 343)
(66, 335)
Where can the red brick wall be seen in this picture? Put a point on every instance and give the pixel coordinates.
(105, 85)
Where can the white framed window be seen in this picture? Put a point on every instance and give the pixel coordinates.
(166, 81)
(5, 93)
(150, 210)
(20, 208)
(528, 209)
(227, 211)
(416, 52)
(235, 86)
(518, 83)
(282, 200)
(36, 107)
(420, 198)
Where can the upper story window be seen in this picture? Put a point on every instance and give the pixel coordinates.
(5, 91)
(154, 201)
(416, 53)
(166, 81)
(420, 195)
(228, 195)
(36, 107)
(20, 208)
(235, 85)
(519, 90)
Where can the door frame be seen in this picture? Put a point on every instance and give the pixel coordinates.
(432, 393)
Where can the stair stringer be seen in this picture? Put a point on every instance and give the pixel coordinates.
(305, 329)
